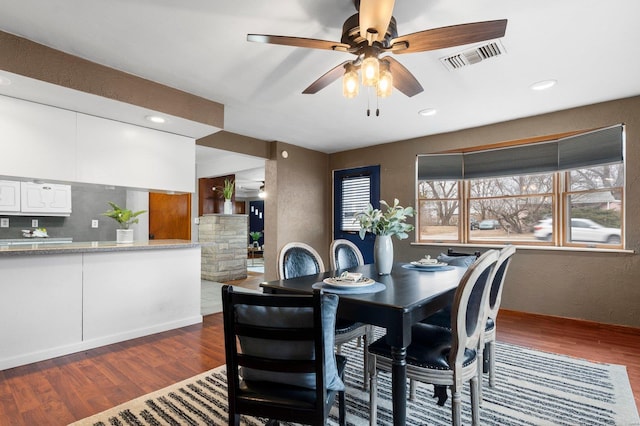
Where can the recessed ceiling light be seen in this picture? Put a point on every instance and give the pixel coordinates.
(427, 112)
(4, 81)
(155, 119)
(543, 85)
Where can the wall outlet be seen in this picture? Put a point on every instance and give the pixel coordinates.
(4, 222)
(94, 223)
(34, 223)
(196, 221)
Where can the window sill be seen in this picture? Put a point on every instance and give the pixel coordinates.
(471, 247)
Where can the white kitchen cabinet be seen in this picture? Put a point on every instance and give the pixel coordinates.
(121, 154)
(45, 199)
(37, 141)
(9, 196)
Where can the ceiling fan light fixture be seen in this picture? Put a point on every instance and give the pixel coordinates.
(385, 82)
(350, 83)
(370, 70)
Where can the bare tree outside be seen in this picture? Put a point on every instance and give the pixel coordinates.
(509, 208)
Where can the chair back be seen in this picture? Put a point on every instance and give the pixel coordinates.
(277, 357)
(468, 310)
(499, 274)
(297, 260)
(344, 255)
(452, 252)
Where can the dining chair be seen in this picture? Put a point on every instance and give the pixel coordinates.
(493, 307)
(445, 357)
(298, 259)
(452, 252)
(443, 317)
(343, 255)
(279, 357)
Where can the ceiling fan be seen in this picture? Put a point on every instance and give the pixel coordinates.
(372, 32)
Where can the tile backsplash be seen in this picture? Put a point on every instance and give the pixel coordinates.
(88, 203)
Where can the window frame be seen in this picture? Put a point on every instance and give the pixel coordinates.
(560, 204)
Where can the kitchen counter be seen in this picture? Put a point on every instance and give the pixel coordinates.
(63, 298)
(29, 241)
(62, 247)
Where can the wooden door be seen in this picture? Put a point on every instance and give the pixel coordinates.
(169, 216)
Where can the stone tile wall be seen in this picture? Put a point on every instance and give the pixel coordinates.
(224, 246)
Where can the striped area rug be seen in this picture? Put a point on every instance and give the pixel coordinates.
(533, 388)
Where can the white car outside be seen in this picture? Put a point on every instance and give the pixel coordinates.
(581, 230)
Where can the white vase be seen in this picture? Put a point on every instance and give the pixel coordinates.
(124, 236)
(383, 254)
(228, 207)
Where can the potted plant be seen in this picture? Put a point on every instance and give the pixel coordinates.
(125, 218)
(227, 193)
(385, 225)
(255, 236)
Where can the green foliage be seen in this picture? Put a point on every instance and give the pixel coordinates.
(124, 217)
(227, 191)
(391, 222)
(608, 218)
(255, 236)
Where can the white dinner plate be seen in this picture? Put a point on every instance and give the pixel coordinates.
(338, 283)
(429, 265)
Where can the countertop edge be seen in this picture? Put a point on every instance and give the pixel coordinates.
(94, 247)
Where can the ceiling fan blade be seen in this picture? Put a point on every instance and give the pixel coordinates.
(329, 77)
(375, 16)
(310, 43)
(455, 35)
(403, 80)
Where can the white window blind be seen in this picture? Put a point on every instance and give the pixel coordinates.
(355, 198)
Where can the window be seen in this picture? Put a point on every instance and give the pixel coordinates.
(566, 192)
(355, 198)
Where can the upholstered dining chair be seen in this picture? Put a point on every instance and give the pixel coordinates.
(343, 255)
(441, 356)
(297, 259)
(493, 306)
(442, 318)
(280, 359)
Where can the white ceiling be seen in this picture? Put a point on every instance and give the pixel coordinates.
(199, 46)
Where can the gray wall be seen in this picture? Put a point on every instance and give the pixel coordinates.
(88, 202)
(592, 285)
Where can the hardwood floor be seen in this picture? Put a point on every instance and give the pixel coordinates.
(65, 389)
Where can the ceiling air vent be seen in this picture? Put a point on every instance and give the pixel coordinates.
(473, 56)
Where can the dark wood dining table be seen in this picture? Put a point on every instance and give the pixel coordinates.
(410, 295)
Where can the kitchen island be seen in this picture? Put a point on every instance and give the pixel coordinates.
(63, 298)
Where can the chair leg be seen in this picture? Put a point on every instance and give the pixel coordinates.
(234, 419)
(475, 399)
(365, 378)
(342, 409)
(373, 392)
(492, 363)
(339, 349)
(456, 405)
(412, 390)
(480, 363)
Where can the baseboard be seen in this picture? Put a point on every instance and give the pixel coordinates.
(49, 353)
